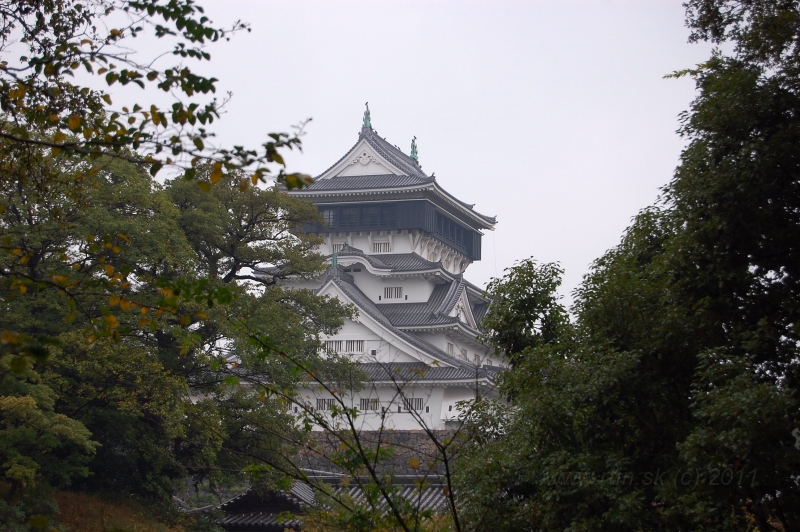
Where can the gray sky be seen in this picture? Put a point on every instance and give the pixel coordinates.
(554, 116)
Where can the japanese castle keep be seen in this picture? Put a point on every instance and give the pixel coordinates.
(399, 245)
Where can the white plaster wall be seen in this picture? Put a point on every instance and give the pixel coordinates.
(417, 289)
(432, 414)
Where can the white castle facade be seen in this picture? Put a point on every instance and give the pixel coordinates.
(399, 245)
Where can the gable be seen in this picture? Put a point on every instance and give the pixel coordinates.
(362, 159)
(396, 344)
(463, 309)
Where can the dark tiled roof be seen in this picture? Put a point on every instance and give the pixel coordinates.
(402, 372)
(408, 314)
(259, 514)
(479, 311)
(409, 262)
(252, 511)
(395, 262)
(362, 182)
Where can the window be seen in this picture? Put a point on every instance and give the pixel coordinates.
(464, 354)
(477, 360)
(451, 349)
(371, 216)
(337, 248)
(370, 404)
(393, 292)
(354, 346)
(413, 403)
(348, 217)
(380, 247)
(329, 216)
(333, 346)
(324, 404)
(388, 215)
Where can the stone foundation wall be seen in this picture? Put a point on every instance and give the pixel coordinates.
(410, 452)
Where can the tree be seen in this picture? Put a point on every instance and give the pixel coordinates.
(46, 101)
(673, 406)
(145, 377)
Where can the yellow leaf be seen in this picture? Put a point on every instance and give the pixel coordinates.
(112, 321)
(202, 315)
(115, 32)
(8, 337)
(74, 122)
(144, 322)
(106, 98)
(113, 300)
(59, 136)
(216, 173)
(254, 178)
(17, 251)
(145, 310)
(125, 305)
(53, 118)
(23, 289)
(414, 463)
(123, 237)
(69, 318)
(109, 270)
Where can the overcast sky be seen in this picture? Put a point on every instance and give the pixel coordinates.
(553, 116)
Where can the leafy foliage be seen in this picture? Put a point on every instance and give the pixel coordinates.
(673, 405)
(47, 95)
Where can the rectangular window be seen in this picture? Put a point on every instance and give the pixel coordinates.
(348, 217)
(380, 247)
(370, 404)
(329, 215)
(337, 247)
(325, 404)
(333, 346)
(354, 346)
(393, 292)
(370, 216)
(388, 216)
(464, 355)
(476, 360)
(413, 403)
(451, 349)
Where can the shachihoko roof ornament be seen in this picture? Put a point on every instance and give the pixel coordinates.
(367, 120)
(414, 154)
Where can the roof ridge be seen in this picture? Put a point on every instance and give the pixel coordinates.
(451, 298)
(394, 155)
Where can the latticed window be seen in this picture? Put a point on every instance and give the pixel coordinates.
(354, 346)
(393, 292)
(333, 346)
(451, 349)
(348, 217)
(368, 403)
(380, 247)
(329, 216)
(337, 248)
(413, 403)
(464, 355)
(325, 404)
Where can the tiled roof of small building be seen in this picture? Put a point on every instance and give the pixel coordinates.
(263, 513)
